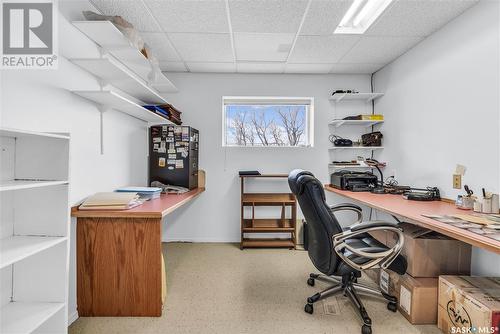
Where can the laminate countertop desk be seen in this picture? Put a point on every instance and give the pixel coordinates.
(119, 258)
(411, 212)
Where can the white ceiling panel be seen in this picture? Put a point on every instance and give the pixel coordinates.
(172, 66)
(271, 16)
(190, 16)
(203, 47)
(162, 48)
(308, 68)
(134, 12)
(212, 67)
(381, 50)
(262, 47)
(324, 16)
(322, 49)
(355, 68)
(417, 18)
(260, 67)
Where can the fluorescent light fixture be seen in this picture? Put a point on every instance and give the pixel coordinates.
(361, 15)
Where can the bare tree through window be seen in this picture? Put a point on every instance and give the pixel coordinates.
(266, 125)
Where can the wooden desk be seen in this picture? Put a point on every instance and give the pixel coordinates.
(119, 258)
(411, 212)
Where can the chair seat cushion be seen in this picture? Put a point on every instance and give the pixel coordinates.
(366, 241)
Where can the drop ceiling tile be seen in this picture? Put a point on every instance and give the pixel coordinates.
(324, 16)
(212, 67)
(172, 66)
(161, 46)
(355, 68)
(133, 11)
(262, 47)
(203, 47)
(243, 67)
(380, 50)
(271, 16)
(321, 49)
(417, 18)
(190, 16)
(308, 68)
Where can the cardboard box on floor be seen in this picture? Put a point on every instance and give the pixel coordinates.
(428, 253)
(469, 304)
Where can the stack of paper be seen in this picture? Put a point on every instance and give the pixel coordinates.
(111, 201)
(145, 193)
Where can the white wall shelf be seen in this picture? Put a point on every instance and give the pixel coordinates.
(34, 230)
(356, 148)
(360, 166)
(8, 185)
(365, 97)
(365, 123)
(23, 317)
(108, 37)
(120, 102)
(110, 70)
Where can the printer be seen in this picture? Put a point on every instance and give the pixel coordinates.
(353, 181)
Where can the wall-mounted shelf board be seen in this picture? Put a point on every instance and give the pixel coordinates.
(356, 148)
(16, 248)
(6, 185)
(110, 70)
(25, 317)
(115, 100)
(361, 166)
(14, 133)
(107, 36)
(366, 97)
(366, 123)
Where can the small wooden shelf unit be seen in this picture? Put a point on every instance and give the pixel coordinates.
(267, 225)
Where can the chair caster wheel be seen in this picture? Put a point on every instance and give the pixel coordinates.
(392, 306)
(309, 308)
(310, 281)
(365, 329)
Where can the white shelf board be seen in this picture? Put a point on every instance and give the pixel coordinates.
(366, 123)
(112, 71)
(107, 36)
(16, 133)
(356, 148)
(361, 166)
(25, 317)
(121, 103)
(366, 97)
(17, 248)
(6, 185)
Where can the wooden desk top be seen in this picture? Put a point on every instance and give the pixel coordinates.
(411, 211)
(156, 208)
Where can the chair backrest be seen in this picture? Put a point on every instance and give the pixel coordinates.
(321, 223)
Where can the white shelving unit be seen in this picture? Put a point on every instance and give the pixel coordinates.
(34, 230)
(366, 97)
(365, 123)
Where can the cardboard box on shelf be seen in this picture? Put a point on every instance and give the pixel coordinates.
(430, 254)
(469, 304)
(418, 299)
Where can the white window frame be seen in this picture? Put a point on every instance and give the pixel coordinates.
(269, 100)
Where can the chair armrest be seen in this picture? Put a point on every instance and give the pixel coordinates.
(381, 258)
(349, 207)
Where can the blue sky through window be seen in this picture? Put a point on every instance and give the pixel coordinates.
(266, 125)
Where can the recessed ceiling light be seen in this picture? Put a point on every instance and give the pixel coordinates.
(361, 15)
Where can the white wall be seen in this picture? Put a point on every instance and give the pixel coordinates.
(215, 216)
(40, 100)
(441, 106)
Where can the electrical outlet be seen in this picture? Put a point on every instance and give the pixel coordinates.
(457, 181)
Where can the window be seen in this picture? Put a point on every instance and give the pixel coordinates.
(267, 121)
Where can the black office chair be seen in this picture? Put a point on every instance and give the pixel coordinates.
(343, 253)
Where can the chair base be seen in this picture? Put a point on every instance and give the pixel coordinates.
(349, 286)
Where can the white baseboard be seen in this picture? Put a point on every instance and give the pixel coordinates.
(72, 317)
(214, 240)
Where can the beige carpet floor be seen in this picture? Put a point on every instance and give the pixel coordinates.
(217, 288)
